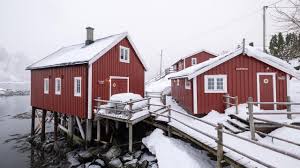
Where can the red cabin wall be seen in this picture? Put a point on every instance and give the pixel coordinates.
(109, 65)
(65, 103)
(239, 83)
(183, 96)
(201, 57)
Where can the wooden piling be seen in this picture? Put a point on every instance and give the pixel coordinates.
(55, 125)
(70, 127)
(89, 130)
(289, 107)
(220, 145)
(227, 100)
(251, 120)
(43, 133)
(169, 120)
(98, 130)
(33, 121)
(236, 104)
(130, 138)
(106, 127)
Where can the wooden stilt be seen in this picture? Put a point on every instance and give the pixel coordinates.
(33, 121)
(55, 125)
(88, 130)
(117, 125)
(70, 127)
(106, 127)
(43, 134)
(98, 130)
(130, 137)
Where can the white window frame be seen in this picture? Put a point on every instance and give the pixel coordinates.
(128, 56)
(215, 90)
(77, 94)
(177, 82)
(193, 61)
(46, 85)
(57, 92)
(186, 84)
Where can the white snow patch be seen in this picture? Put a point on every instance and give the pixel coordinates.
(172, 152)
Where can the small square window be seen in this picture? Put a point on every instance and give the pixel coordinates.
(187, 84)
(124, 54)
(194, 61)
(219, 83)
(211, 83)
(57, 86)
(77, 86)
(215, 83)
(46, 85)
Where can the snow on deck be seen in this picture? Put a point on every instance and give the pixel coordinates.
(258, 152)
(171, 153)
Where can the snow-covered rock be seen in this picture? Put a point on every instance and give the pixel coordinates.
(112, 153)
(115, 163)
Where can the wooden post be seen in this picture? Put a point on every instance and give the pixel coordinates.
(164, 99)
(70, 127)
(64, 122)
(148, 101)
(130, 108)
(236, 105)
(98, 130)
(289, 107)
(106, 126)
(251, 120)
(89, 126)
(130, 138)
(33, 120)
(55, 125)
(43, 134)
(220, 145)
(227, 100)
(169, 120)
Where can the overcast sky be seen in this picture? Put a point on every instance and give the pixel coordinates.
(37, 28)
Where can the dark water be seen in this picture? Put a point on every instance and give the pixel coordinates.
(14, 152)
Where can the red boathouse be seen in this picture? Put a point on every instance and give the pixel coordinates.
(193, 59)
(68, 80)
(249, 73)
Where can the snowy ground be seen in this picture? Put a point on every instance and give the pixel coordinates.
(172, 153)
(160, 85)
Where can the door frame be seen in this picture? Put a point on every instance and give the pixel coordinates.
(273, 74)
(118, 77)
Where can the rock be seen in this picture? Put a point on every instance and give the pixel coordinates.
(94, 166)
(72, 159)
(153, 165)
(85, 156)
(94, 150)
(48, 147)
(87, 164)
(100, 162)
(112, 153)
(148, 157)
(115, 163)
(144, 164)
(126, 157)
(137, 154)
(131, 163)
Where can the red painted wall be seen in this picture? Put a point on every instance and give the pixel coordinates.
(183, 96)
(109, 65)
(65, 103)
(239, 83)
(201, 57)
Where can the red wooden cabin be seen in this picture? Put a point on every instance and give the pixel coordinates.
(193, 59)
(68, 80)
(249, 73)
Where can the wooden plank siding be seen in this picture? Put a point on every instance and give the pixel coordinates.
(110, 65)
(201, 57)
(65, 103)
(183, 96)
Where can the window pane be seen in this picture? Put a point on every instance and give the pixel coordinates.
(122, 53)
(219, 83)
(210, 83)
(78, 86)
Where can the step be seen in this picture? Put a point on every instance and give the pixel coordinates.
(231, 128)
(238, 124)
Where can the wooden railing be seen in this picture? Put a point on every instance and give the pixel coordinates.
(228, 102)
(159, 95)
(219, 137)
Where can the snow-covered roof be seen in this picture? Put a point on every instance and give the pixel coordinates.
(81, 53)
(198, 69)
(194, 53)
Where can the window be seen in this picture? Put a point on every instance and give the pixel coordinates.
(57, 86)
(194, 61)
(215, 83)
(177, 82)
(180, 66)
(77, 86)
(46, 85)
(124, 54)
(187, 84)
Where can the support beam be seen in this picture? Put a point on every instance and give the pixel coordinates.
(80, 128)
(130, 137)
(43, 133)
(98, 130)
(55, 125)
(220, 145)
(33, 121)
(106, 127)
(70, 127)
(88, 130)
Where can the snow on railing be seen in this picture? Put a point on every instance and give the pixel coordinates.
(228, 103)
(219, 138)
